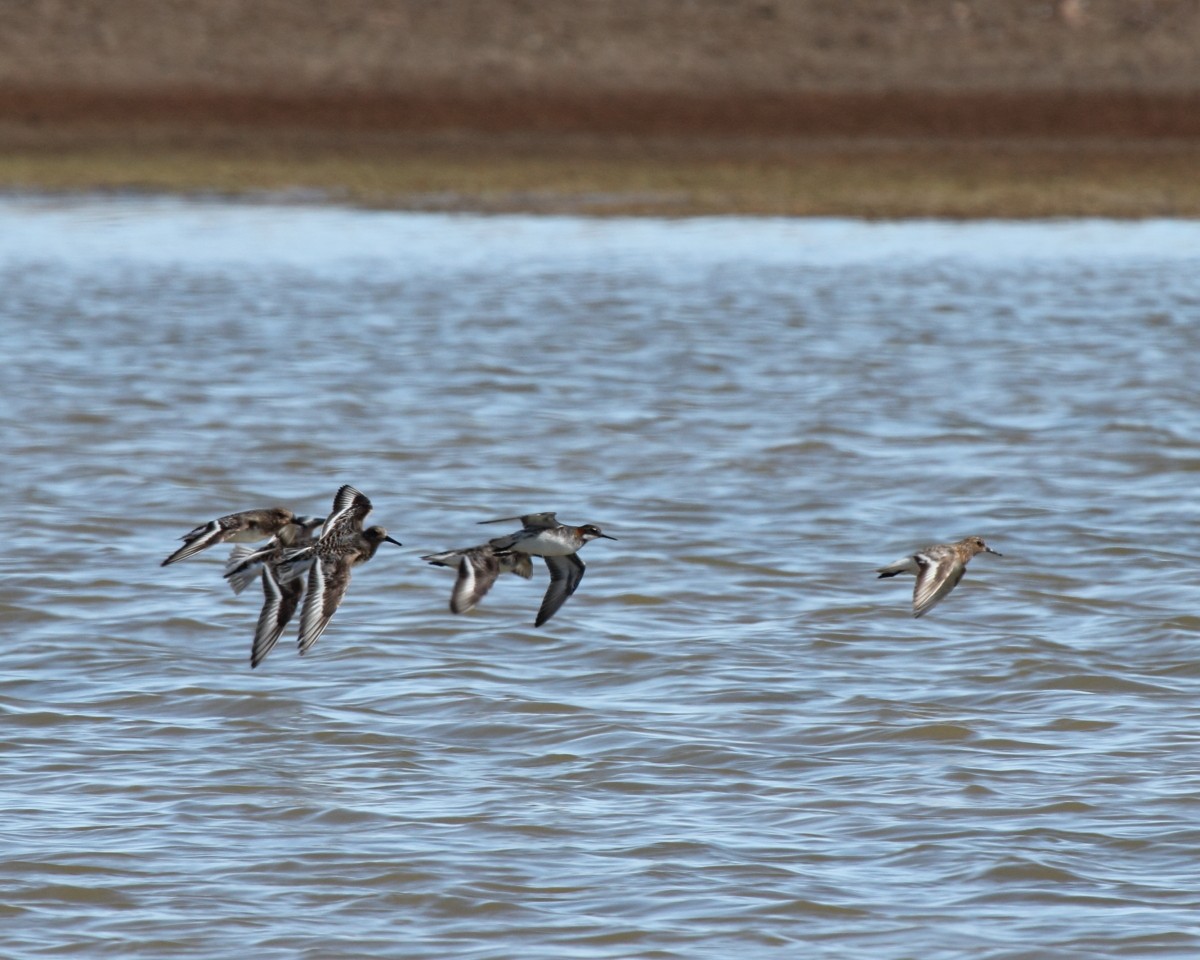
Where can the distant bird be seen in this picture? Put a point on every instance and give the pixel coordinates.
(343, 545)
(541, 535)
(938, 569)
(249, 526)
(478, 568)
(279, 599)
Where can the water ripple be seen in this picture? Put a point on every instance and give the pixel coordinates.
(733, 740)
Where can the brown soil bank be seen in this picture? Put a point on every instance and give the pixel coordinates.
(1024, 114)
(878, 107)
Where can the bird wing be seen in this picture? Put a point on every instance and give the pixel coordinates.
(295, 562)
(350, 508)
(244, 564)
(327, 583)
(539, 521)
(477, 571)
(519, 563)
(505, 542)
(249, 526)
(937, 577)
(535, 521)
(565, 574)
(279, 603)
(196, 540)
(903, 565)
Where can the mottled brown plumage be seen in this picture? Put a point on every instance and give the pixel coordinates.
(280, 598)
(938, 569)
(343, 545)
(249, 526)
(478, 567)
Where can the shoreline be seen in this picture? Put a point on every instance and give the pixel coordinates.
(907, 181)
(1061, 114)
(965, 156)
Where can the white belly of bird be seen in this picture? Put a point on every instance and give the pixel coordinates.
(545, 545)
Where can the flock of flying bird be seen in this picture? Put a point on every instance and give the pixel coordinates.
(296, 564)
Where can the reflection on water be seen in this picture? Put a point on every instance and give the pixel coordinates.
(732, 739)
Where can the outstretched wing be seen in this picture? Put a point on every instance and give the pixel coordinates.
(477, 571)
(530, 521)
(279, 603)
(327, 583)
(249, 526)
(937, 577)
(350, 508)
(565, 574)
(200, 538)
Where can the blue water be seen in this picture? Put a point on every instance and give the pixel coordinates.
(733, 740)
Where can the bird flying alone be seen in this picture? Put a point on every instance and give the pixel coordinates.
(938, 569)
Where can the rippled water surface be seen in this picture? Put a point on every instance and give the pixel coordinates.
(733, 741)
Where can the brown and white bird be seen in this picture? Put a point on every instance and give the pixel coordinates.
(280, 600)
(478, 567)
(938, 569)
(249, 526)
(246, 563)
(343, 545)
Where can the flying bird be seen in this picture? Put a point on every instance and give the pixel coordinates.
(343, 545)
(938, 569)
(558, 544)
